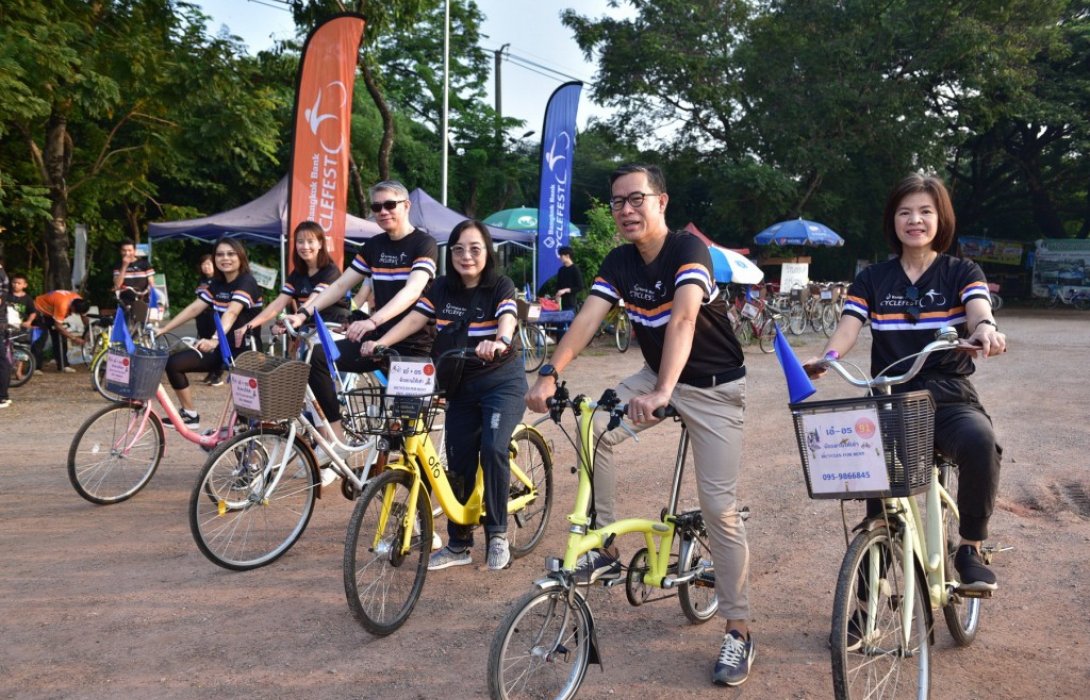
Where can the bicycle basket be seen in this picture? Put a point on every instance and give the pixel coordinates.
(372, 412)
(906, 423)
(527, 311)
(268, 388)
(135, 376)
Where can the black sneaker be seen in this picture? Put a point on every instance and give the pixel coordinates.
(735, 658)
(594, 565)
(972, 572)
(214, 379)
(191, 420)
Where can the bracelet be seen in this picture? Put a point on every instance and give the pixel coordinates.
(988, 321)
(307, 313)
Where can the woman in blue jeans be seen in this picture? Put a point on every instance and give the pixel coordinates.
(474, 307)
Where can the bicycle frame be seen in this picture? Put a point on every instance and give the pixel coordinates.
(225, 428)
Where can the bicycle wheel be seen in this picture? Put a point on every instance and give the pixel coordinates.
(829, 319)
(962, 613)
(1081, 302)
(98, 378)
(382, 582)
(796, 319)
(23, 365)
(531, 454)
(767, 335)
(745, 332)
(237, 520)
(623, 332)
(698, 599)
(115, 453)
(997, 301)
(534, 346)
(542, 647)
(869, 656)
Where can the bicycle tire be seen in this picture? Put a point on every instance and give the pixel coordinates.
(767, 336)
(635, 589)
(1081, 302)
(542, 647)
(873, 663)
(623, 333)
(115, 453)
(383, 584)
(745, 332)
(796, 319)
(962, 613)
(98, 378)
(527, 526)
(535, 346)
(997, 301)
(698, 600)
(235, 521)
(829, 319)
(21, 354)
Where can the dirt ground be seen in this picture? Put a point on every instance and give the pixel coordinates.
(116, 601)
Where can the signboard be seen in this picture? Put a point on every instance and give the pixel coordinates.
(244, 392)
(411, 376)
(117, 368)
(264, 276)
(991, 251)
(845, 451)
(794, 275)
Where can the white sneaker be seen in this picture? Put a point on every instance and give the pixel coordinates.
(436, 542)
(68, 370)
(329, 476)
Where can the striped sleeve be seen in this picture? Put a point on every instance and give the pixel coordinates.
(694, 273)
(424, 263)
(604, 289)
(359, 264)
(425, 306)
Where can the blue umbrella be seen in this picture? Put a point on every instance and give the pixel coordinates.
(798, 232)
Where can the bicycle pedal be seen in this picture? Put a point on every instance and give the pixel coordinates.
(973, 594)
(611, 580)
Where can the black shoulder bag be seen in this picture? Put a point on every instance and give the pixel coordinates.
(449, 374)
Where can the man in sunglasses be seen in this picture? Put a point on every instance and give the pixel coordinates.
(694, 363)
(396, 267)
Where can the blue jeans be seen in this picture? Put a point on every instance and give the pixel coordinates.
(480, 420)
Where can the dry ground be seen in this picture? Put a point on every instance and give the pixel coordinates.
(107, 602)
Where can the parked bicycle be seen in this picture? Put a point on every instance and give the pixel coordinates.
(545, 642)
(617, 326)
(23, 363)
(1068, 296)
(899, 566)
(390, 533)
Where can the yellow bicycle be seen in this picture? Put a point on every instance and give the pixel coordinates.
(389, 536)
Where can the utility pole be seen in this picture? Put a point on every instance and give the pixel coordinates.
(499, 93)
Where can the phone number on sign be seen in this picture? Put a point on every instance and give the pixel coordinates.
(844, 476)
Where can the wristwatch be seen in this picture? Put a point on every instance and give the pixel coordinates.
(505, 339)
(987, 321)
(548, 371)
(307, 313)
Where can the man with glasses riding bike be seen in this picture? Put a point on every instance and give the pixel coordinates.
(694, 363)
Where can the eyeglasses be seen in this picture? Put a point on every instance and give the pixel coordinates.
(388, 205)
(475, 251)
(226, 254)
(913, 295)
(633, 198)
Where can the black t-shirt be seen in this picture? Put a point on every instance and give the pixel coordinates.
(244, 290)
(389, 263)
(878, 295)
(448, 308)
(22, 303)
(648, 292)
(137, 275)
(299, 286)
(569, 278)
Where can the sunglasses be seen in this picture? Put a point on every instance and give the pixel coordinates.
(388, 205)
(913, 295)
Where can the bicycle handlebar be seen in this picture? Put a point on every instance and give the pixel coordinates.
(946, 339)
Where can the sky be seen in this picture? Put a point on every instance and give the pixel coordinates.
(532, 28)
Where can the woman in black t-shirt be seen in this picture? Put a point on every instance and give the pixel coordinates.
(906, 300)
(233, 293)
(312, 271)
(474, 307)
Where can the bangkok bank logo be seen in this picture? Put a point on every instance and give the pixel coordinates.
(315, 117)
(553, 158)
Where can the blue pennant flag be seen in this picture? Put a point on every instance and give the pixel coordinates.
(332, 353)
(225, 347)
(120, 332)
(153, 298)
(799, 386)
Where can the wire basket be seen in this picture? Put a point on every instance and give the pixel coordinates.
(372, 412)
(136, 376)
(907, 426)
(269, 388)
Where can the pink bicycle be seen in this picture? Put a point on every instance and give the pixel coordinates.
(116, 451)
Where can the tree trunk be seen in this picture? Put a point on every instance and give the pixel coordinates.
(387, 144)
(357, 185)
(56, 161)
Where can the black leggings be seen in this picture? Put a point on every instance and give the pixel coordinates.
(321, 382)
(187, 361)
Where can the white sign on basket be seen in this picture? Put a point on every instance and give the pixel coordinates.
(845, 451)
(411, 377)
(117, 368)
(244, 392)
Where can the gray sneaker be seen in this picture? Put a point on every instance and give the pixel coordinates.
(499, 553)
(596, 564)
(447, 557)
(735, 658)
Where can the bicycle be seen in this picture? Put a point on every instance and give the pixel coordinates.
(1069, 296)
(143, 336)
(899, 566)
(545, 642)
(533, 342)
(117, 450)
(23, 363)
(758, 319)
(616, 323)
(389, 536)
(255, 494)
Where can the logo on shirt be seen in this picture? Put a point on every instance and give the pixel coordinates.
(393, 259)
(642, 293)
